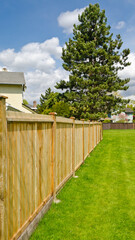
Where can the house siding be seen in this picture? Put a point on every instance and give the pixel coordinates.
(14, 94)
(130, 117)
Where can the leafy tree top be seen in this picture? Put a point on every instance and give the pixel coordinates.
(25, 102)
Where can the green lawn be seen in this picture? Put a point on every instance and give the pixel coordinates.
(100, 204)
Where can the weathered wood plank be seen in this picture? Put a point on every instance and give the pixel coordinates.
(27, 117)
(3, 170)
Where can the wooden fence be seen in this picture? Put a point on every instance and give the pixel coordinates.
(38, 155)
(107, 126)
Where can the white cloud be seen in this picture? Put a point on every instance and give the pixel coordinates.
(67, 19)
(38, 81)
(131, 97)
(129, 72)
(33, 56)
(39, 63)
(120, 25)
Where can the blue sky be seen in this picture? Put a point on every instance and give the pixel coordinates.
(33, 33)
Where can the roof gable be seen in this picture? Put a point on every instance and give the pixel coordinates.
(128, 110)
(15, 78)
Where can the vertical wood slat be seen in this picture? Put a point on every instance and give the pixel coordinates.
(15, 180)
(101, 131)
(73, 146)
(78, 145)
(54, 155)
(96, 134)
(93, 137)
(83, 137)
(89, 138)
(3, 169)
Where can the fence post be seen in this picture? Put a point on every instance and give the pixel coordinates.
(73, 146)
(93, 136)
(3, 183)
(83, 137)
(89, 138)
(54, 157)
(96, 133)
(101, 131)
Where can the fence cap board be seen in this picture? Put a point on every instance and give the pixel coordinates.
(95, 123)
(79, 122)
(64, 120)
(86, 122)
(27, 117)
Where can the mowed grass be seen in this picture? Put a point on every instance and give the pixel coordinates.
(100, 204)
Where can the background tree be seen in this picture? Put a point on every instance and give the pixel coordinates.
(62, 109)
(51, 102)
(47, 101)
(25, 102)
(93, 59)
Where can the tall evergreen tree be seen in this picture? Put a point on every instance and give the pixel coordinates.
(93, 59)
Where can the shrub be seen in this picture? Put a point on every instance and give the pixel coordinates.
(121, 121)
(107, 121)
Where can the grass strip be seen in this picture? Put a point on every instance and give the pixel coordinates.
(100, 204)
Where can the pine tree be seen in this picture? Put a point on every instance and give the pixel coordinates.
(47, 101)
(93, 59)
(51, 102)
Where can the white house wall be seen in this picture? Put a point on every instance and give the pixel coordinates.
(14, 94)
(130, 118)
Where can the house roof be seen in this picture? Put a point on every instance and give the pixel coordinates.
(128, 110)
(9, 107)
(29, 108)
(15, 78)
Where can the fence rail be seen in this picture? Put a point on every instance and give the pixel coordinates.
(107, 126)
(38, 155)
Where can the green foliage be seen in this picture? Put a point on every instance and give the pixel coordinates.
(62, 109)
(51, 102)
(25, 102)
(107, 121)
(93, 116)
(130, 106)
(47, 101)
(121, 121)
(46, 111)
(93, 59)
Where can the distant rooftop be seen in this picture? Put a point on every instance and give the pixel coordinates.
(128, 110)
(15, 78)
